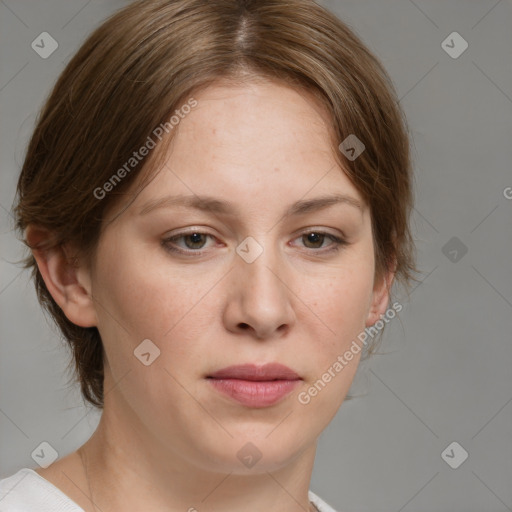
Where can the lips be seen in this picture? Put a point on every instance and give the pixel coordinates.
(267, 372)
(255, 386)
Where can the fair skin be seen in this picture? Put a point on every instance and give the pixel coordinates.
(167, 441)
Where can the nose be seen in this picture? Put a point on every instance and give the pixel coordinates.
(260, 297)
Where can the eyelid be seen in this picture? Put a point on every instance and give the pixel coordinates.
(338, 241)
(165, 241)
(321, 230)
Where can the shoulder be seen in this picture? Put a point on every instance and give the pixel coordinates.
(319, 503)
(26, 491)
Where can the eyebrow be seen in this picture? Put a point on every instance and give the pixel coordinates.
(214, 205)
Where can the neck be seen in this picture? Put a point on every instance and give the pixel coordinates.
(127, 468)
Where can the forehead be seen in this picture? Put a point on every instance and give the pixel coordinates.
(262, 139)
(259, 92)
(264, 113)
(262, 127)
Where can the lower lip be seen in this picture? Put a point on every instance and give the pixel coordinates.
(255, 393)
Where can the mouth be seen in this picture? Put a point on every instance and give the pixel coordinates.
(255, 386)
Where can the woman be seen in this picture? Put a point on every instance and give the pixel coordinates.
(216, 198)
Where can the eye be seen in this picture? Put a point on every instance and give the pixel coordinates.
(193, 241)
(315, 240)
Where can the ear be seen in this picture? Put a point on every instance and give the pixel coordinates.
(67, 280)
(380, 297)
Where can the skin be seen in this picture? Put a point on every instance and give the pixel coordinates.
(167, 440)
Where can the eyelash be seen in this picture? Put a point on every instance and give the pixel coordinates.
(337, 243)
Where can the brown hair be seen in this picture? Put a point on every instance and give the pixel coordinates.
(142, 63)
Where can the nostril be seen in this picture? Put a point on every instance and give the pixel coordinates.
(244, 326)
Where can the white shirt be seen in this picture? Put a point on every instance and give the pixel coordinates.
(28, 491)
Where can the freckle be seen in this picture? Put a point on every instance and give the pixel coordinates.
(276, 169)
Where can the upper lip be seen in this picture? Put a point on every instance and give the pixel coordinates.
(269, 371)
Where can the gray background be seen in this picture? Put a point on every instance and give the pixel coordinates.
(446, 370)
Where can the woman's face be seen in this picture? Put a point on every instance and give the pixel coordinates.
(186, 278)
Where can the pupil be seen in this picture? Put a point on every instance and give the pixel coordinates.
(314, 238)
(195, 238)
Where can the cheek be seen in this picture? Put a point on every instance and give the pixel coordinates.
(142, 298)
(141, 303)
(340, 305)
(342, 298)
(333, 347)
(138, 295)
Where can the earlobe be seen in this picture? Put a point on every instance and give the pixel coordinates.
(380, 298)
(66, 279)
